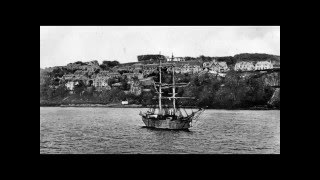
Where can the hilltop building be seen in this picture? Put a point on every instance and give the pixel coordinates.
(177, 59)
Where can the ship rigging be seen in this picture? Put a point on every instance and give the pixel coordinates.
(163, 117)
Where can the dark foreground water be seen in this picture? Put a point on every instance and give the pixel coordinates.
(115, 130)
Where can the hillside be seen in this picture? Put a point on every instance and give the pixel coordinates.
(112, 82)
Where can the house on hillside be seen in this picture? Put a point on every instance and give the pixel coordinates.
(149, 69)
(167, 65)
(177, 69)
(219, 67)
(137, 66)
(132, 75)
(244, 66)
(103, 73)
(68, 76)
(261, 65)
(135, 88)
(196, 69)
(70, 85)
(185, 69)
(177, 59)
(147, 84)
(215, 66)
(223, 67)
(101, 82)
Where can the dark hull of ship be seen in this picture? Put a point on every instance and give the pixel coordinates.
(178, 124)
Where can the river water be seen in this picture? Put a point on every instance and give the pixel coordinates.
(77, 130)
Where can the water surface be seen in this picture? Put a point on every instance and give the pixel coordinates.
(86, 130)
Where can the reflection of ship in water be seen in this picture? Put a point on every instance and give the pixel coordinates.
(165, 117)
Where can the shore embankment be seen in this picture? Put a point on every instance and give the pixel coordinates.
(103, 105)
(115, 105)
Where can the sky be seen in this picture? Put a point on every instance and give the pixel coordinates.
(60, 45)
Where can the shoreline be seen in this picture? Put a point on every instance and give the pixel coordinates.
(141, 106)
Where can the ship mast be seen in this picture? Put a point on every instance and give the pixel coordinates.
(160, 107)
(165, 86)
(173, 89)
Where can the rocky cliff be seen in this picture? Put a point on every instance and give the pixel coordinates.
(275, 99)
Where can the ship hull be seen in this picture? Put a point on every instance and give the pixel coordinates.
(166, 123)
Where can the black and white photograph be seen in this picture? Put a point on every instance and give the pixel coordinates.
(159, 90)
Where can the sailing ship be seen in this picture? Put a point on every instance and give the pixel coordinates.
(163, 117)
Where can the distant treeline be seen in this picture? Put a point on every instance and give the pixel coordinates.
(156, 57)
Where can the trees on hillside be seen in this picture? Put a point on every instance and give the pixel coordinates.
(228, 59)
(255, 57)
(61, 91)
(79, 87)
(112, 81)
(152, 57)
(232, 92)
(114, 95)
(103, 66)
(45, 82)
(110, 64)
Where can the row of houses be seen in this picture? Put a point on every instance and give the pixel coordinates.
(137, 73)
(100, 81)
(196, 67)
(252, 66)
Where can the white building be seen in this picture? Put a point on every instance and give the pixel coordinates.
(196, 69)
(221, 66)
(244, 66)
(215, 66)
(185, 69)
(101, 82)
(261, 65)
(179, 59)
(70, 85)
